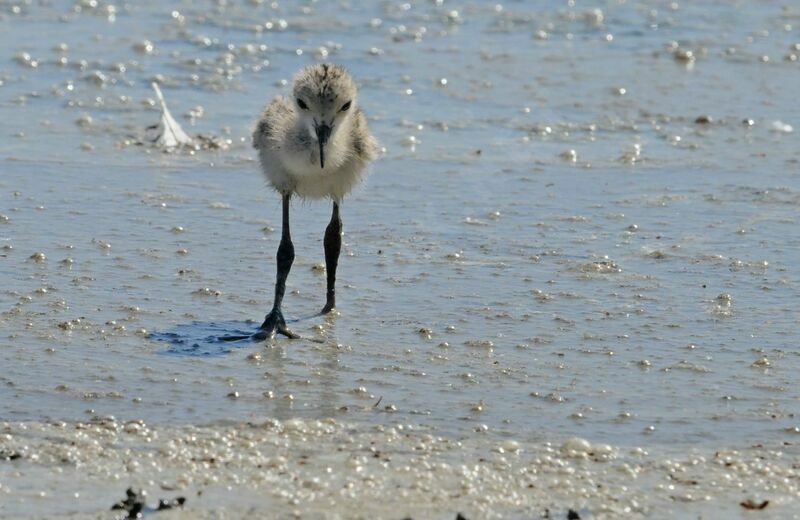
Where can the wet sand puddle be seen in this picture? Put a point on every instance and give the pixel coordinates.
(601, 247)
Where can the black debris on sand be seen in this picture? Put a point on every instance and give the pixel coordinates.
(135, 504)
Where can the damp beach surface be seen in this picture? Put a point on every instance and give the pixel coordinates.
(570, 283)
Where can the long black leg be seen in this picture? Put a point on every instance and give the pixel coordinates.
(333, 246)
(274, 321)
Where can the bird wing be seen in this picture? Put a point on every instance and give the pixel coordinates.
(273, 120)
(365, 146)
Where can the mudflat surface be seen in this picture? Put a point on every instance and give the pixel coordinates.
(583, 225)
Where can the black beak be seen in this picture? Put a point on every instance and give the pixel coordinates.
(323, 133)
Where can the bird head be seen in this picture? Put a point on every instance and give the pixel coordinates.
(325, 97)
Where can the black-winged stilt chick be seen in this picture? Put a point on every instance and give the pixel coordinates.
(315, 145)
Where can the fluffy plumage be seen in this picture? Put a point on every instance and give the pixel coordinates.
(286, 136)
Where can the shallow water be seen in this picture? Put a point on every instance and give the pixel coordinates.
(585, 235)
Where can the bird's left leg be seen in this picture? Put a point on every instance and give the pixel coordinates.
(333, 246)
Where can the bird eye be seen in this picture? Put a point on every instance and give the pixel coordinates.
(345, 107)
(302, 104)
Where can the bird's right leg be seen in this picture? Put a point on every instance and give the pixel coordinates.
(274, 321)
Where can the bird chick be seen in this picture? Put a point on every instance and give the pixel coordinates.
(314, 145)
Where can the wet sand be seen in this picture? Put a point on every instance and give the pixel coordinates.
(583, 226)
(326, 468)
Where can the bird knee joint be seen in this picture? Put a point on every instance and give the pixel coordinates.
(285, 254)
(334, 228)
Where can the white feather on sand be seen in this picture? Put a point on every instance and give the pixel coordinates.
(169, 132)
